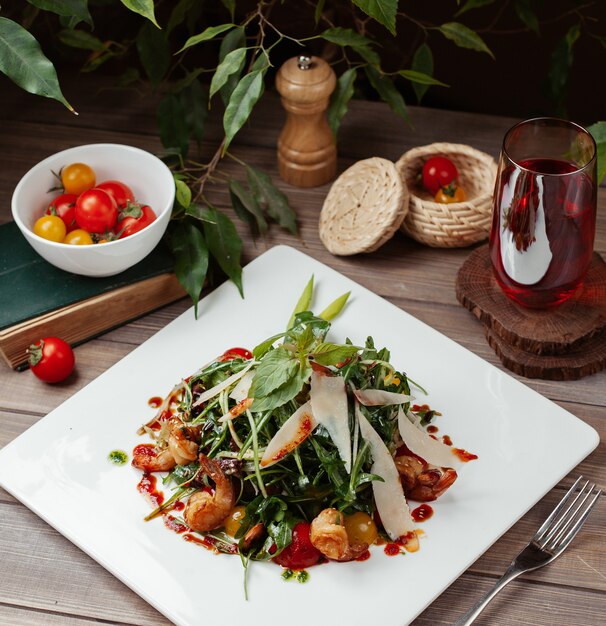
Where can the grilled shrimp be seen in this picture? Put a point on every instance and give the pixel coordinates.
(205, 511)
(181, 442)
(421, 481)
(149, 458)
(328, 535)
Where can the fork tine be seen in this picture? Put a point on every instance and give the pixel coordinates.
(556, 511)
(568, 517)
(561, 544)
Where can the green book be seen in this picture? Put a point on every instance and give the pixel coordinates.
(32, 289)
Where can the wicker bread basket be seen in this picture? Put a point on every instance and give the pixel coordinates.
(449, 225)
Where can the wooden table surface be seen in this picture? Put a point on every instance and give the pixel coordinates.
(44, 579)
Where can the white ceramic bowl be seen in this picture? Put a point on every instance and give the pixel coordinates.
(150, 180)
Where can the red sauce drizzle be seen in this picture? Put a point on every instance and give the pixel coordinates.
(200, 541)
(464, 455)
(172, 524)
(155, 402)
(147, 486)
(432, 429)
(417, 408)
(179, 506)
(391, 549)
(447, 440)
(421, 513)
(364, 556)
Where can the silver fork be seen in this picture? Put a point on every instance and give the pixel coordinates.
(554, 536)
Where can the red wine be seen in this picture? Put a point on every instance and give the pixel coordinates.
(541, 241)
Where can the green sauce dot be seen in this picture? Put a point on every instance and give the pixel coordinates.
(302, 576)
(287, 574)
(118, 457)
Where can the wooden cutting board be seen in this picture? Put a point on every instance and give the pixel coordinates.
(563, 343)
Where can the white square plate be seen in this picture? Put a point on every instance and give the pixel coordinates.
(59, 467)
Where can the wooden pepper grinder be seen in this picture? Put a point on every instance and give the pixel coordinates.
(307, 154)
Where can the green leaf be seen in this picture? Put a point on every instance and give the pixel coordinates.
(142, 7)
(264, 346)
(225, 245)
(172, 125)
(209, 33)
(187, 80)
(527, 15)
(334, 308)
(277, 368)
(178, 14)
(230, 5)
(269, 196)
(559, 68)
(340, 99)
(473, 4)
(283, 394)
(232, 41)
(388, 92)
(194, 100)
(77, 9)
(233, 63)
(384, 11)
(154, 52)
(421, 78)
(22, 60)
(422, 61)
(128, 77)
(318, 10)
(333, 354)
(241, 103)
(183, 193)
(598, 130)
(191, 258)
(303, 302)
(245, 205)
(346, 37)
(464, 37)
(80, 39)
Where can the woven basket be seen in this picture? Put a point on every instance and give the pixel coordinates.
(449, 225)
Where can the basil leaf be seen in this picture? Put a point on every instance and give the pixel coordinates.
(225, 245)
(191, 259)
(142, 7)
(264, 346)
(464, 37)
(22, 60)
(171, 123)
(241, 103)
(205, 35)
(283, 394)
(246, 206)
(340, 99)
(277, 368)
(422, 61)
(154, 52)
(270, 196)
(384, 11)
(388, 92)
(331, 354)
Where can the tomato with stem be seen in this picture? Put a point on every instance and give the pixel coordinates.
(134, 219)
(51, 359)
(449, 194)
(64, 206)
(438, 172)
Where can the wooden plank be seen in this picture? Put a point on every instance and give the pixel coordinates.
(17, 616)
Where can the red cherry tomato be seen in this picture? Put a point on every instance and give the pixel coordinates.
(236, 353)
(51, 359)
(96, 211)
(120, 192)
(438, 172)
(300, 553)
(64, 206)
(130, 225)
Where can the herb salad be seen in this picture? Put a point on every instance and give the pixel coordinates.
(299, 452)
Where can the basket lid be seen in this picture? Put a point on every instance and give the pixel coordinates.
(364, 208)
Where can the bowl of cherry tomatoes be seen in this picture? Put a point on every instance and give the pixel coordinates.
(95, 210)
(450, 187)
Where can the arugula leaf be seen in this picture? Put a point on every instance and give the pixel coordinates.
(277, 368)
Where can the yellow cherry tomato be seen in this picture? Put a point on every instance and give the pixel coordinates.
(50, 227)
(360, 528)
(451, 193)
(78, 237)
(234, 520)
(77, 177)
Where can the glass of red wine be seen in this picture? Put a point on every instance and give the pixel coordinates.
(541, 240)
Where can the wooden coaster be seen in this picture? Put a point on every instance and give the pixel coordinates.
(364, 207)
(564, 343)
